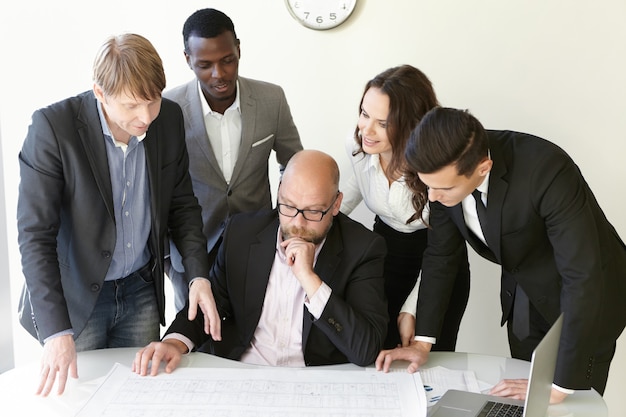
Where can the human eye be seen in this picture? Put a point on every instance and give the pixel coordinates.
(287, 210)
(204, 65)
(364, 114)
(313, 214)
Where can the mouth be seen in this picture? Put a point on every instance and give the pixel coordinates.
(368, 142)
(221, 87)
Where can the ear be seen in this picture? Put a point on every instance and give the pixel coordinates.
(99, 93)
(484, 167)
(188, 59)
(337, 204)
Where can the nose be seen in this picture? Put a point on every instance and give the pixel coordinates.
(299, 220)
(217, 71)
(367, 127)
(433, 195)
(144, 115)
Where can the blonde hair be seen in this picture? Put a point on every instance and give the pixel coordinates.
(128, 63)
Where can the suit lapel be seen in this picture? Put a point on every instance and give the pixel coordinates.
(153, 163)
(249, 109)
(495, 198)
(92, 138)
(260, 259)
(198, 140)
(456, 213)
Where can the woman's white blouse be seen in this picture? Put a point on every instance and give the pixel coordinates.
(368, 183)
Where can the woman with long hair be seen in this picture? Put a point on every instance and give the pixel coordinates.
(392, 104)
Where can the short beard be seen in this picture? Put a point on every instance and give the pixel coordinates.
(304, 234)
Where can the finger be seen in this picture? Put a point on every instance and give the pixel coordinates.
(136, 366)
(380, 359)
(44, 377)
(74, 369)
(172, 364)
(412, 368)
(193, 309)
(216, 328)
(49, 383)
(207, 319)
(387, 363)
(61, 381)
(156, 362)
(143, 359)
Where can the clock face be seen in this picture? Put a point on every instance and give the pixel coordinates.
(321, 14)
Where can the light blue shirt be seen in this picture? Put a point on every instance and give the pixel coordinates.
(131, 201)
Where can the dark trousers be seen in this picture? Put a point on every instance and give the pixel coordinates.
(402, 266)
(523, 349)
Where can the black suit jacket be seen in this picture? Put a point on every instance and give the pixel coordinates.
(550, 236)
(65, 211)
(353, 324)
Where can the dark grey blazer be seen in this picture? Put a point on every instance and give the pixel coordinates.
(550, 236)
(353, 324)
(266, 125)
(65, 215)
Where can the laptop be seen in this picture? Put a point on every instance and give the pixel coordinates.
(456, 403)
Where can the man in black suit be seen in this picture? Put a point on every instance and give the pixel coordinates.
(299, 285)
(541, 223)
(104, 179)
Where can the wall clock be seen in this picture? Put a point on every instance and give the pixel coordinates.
(320, 14)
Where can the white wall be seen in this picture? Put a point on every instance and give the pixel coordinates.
(6, 319)
(554, 68)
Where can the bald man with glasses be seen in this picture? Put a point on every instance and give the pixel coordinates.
(297, 286)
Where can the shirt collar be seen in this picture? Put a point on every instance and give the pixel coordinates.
(206, 109)
(107, 132)
(484, 186)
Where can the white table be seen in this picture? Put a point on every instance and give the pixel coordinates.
(18, 385)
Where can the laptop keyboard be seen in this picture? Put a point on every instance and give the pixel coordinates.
(494, 409)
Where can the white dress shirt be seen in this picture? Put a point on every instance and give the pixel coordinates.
(277, 340)
(224, 131)
(469, 209)
(368, 183)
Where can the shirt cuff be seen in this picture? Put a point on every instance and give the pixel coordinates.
(563, 390)
(61, 333)
(427, 339)
(181, 338)
(317, 303)
(410, 304)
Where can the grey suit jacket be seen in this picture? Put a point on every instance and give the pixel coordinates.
(65, 215)
(352, 326)
(547, 231)
(266, 125)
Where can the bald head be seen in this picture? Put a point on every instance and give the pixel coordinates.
(314, 169)
(308, 196)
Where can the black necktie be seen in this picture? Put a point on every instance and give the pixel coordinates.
(481, 210)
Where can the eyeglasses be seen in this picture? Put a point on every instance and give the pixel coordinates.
(310, 215)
